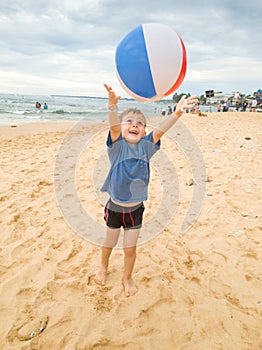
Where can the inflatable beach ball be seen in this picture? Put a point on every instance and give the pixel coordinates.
(151, 62)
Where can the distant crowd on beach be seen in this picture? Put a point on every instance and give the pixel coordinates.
(38, 105)
(224, 106)
(240, 106)
(170, 110)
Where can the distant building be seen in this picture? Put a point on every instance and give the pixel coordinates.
(210, 93)
(218, 97)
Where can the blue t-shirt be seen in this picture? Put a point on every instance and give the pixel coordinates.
(128, 177)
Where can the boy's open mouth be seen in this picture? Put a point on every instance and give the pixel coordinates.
(133, 132)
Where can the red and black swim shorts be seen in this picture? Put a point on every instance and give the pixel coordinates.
(116, 216)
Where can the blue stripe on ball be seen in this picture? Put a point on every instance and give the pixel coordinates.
(132, 64)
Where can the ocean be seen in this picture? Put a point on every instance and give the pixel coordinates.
(17, 109)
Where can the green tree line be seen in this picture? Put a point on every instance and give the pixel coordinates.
(202, 99)
(176, 97)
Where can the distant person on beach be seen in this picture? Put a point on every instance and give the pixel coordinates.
(38, 105)
(129, 150)
(254, 105)
(244, 107)
(45, 106)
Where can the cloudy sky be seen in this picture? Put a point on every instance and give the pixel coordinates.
(68, 46)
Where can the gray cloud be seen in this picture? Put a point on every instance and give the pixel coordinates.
(65, 46)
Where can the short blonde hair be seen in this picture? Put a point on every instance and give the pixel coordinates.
(133, 111)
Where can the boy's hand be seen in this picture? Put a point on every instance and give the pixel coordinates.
(185, 103)
(112, 97)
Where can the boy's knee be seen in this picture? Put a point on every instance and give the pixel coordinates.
(130, 251)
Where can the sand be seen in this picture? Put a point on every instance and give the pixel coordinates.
(198, 290)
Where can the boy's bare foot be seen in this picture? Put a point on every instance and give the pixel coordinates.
(130, 288)
(100, 277)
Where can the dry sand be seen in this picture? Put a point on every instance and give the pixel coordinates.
(200, 290)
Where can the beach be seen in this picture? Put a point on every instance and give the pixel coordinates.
(198, 288)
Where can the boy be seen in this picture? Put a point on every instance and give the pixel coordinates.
(129, 151)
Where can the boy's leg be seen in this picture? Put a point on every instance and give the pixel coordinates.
(130, 241)
(112, 236)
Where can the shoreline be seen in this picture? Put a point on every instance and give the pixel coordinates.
(17, 122)
(63, 125)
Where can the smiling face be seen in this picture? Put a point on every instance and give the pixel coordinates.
(133, 126)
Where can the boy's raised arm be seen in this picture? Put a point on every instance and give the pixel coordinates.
(183, 104)
(113, 118)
